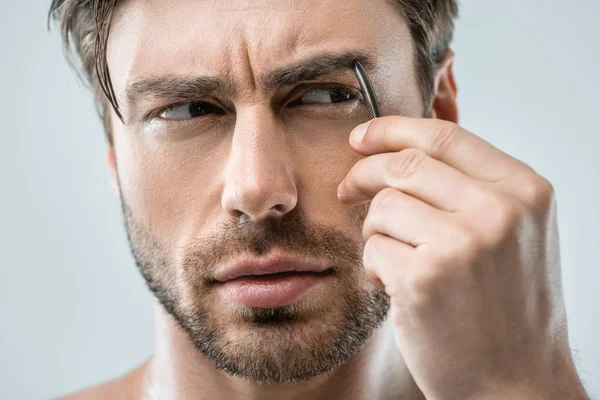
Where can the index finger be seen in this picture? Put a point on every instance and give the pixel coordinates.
(442, 140)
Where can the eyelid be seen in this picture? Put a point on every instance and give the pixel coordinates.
(305, 88)
(155, 113)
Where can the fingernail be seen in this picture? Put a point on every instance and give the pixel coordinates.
(357, 135)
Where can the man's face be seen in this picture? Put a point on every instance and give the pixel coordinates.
(230, 154)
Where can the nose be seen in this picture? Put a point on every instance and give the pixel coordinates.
(259, 177)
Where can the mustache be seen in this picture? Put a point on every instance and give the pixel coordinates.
(292, 233)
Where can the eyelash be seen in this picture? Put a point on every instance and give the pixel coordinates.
(354, 95)
(171, 107)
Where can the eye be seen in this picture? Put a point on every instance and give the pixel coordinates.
(324, 95)
(192, 109)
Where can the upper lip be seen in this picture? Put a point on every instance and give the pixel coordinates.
(252, 266)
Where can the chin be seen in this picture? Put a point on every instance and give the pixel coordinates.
(289, 343)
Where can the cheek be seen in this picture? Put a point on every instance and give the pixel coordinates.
(323, 167)
(169, 189)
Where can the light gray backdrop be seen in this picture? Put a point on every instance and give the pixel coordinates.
(74, 310)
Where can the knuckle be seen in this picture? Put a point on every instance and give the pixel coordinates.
(371, 222)
(378, 207)
(443, 138)
(381, 201)
(536, 191)
(404, 164)
(503, 216)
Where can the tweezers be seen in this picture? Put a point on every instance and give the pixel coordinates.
(367, 90)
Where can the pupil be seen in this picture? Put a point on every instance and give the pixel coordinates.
(339, 95)
(197, 109)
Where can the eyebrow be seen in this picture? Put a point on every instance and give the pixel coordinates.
(173, 87)
(176, 87)
(315, 67)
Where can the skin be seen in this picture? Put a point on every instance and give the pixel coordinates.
(461, 236)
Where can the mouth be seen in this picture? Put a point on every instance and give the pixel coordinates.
(270, 282)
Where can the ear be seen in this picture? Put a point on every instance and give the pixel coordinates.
(445, 91)
(112, 167)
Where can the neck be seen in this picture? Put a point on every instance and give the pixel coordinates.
(179, 371)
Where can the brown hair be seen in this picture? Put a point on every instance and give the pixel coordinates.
(85, 25)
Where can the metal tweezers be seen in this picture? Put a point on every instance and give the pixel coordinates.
(367, 90)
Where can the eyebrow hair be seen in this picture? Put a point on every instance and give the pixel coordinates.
(174, 87)
(315, 67)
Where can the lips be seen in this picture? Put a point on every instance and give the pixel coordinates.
(269, 282)
(275, 264)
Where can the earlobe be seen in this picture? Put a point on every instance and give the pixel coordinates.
(112, 168)
(444, 103)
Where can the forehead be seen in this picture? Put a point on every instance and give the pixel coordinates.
(245, 38)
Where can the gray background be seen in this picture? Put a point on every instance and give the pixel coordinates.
(73, 309)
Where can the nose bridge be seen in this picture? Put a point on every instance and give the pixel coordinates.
(256, 131)
(258, 178)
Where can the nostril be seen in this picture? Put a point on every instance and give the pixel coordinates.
(254, 201)
(279, 208)
(237, 213)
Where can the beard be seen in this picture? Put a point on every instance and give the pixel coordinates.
(279, 345)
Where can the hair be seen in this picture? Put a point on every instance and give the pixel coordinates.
(85, 25)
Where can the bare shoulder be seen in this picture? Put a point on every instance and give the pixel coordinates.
(127, 387)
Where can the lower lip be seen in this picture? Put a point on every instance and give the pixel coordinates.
(267, 291)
